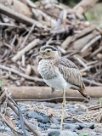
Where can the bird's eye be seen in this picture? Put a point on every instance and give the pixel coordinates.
(48, 51)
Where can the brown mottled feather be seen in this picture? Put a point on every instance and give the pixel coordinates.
(71, 74)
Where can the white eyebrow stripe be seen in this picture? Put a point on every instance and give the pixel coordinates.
(49, 47)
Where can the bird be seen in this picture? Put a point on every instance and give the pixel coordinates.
(59, 73)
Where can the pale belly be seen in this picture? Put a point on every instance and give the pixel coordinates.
(58, 83)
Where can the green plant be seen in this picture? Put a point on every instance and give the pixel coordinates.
(84, 134)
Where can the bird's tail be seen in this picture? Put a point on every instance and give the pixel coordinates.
(82, 90)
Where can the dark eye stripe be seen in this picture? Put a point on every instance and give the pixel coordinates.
(48, 47)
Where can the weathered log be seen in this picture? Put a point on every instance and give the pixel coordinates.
(45, 93)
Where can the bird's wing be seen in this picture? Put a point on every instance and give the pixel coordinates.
(72, 75)
(67, 63)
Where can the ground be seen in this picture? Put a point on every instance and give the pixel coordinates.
(81, 118)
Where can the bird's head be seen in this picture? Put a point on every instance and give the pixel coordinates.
(49, 52)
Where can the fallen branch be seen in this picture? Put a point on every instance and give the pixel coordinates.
(8, 124)
(96, 51)
(19, 17)
(47, 19)
(29, 3)
(86, 41)
(45, 93)
(84, 32)
(17, 5)
(91, 82)
(24, 50)
(91, 43)
(84, 5)
(20, 74)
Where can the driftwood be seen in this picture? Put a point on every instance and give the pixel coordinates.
(46, 94)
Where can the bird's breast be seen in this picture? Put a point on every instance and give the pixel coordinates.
(47, 69)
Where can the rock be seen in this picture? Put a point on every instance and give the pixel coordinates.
(68, 133)
(62, 133)
(39, 116)
(55, 126)
(54, 133)
(78, 126)
(55, 120)
(72, 126)
(86, 125)
(44, 126)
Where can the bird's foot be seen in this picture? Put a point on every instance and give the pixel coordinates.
(86, 100)
(52, 90)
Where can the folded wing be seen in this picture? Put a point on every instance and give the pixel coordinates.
(72, 75)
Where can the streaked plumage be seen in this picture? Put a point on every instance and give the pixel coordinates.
(60, 70)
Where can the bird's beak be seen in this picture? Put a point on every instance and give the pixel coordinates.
(36, 54)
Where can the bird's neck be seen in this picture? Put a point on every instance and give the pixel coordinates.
(56, 60)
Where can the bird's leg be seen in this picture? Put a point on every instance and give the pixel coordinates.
(52, 90)
(63, 108)
(64, 97)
